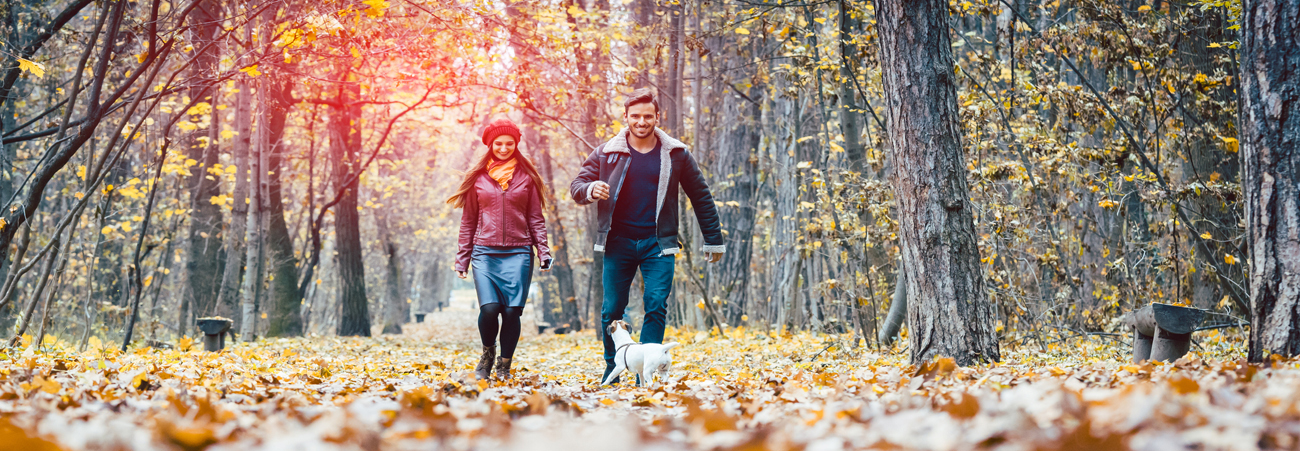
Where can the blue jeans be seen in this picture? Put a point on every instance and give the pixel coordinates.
(623, 257)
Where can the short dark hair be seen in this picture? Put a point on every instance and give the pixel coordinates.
(643, 95)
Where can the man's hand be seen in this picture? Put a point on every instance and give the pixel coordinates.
(462, 274)
(601, 190)
(712, 257)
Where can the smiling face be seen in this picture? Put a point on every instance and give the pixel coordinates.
(642, 119)
(503, 147)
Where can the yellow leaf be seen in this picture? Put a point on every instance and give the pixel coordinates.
(1214, 45)
(377, 7)
(33, 67)
(251, 71)
(94, 344)
(106, 230)
(607, 401)
(1206, 236)
(49, 385)
(1144, 8)
(1229, 259)
(1136, 65)
(1230, 142)
(741, 30)
(139, 378)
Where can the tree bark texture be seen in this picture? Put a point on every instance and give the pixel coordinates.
(1269, 135)
(345, 140)
(284, 312)
(254, 234)
(949, 313)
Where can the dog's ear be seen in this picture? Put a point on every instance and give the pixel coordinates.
(612, 327)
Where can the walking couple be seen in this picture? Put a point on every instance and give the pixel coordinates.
(634, 180)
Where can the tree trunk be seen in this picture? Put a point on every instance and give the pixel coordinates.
(203, 270)
(254, 238)
(853, 149)
(897, 310)
(736, 165)
(949, 313)
(345, 140)
(394, 301)
(284, 317)
(238, 226)
(560, 266)
(1270, 129)
(1206, 161)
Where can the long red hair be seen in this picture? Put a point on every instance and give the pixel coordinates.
(480, 167)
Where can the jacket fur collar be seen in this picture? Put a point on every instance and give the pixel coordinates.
(618, 143)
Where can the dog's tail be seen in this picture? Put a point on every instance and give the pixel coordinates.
(670, 345)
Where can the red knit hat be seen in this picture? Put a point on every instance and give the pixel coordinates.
(500, 127)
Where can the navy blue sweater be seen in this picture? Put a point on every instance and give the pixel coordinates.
(634, 212)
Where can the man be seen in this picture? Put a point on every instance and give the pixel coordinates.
(634, 179)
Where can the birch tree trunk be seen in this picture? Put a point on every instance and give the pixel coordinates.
(253, 236)
(949, 313)
(1269, 135)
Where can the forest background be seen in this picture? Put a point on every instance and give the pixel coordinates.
(285, 164)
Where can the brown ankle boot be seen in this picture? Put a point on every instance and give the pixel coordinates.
(485, 362)
(503, 368)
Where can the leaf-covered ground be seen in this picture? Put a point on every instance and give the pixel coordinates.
(745, 390)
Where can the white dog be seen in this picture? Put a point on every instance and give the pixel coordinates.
(644, 359)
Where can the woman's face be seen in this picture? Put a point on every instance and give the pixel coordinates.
(503, 147)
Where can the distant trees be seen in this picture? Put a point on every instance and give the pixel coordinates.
(1042, 167)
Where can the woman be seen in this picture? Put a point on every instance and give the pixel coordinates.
(502, 220)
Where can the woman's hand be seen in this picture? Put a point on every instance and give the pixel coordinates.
(462, 274)
(546, 265)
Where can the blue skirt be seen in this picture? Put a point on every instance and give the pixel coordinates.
(502, 274)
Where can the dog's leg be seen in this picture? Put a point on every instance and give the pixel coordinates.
(618, 369)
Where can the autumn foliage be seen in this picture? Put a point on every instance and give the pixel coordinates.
(744, 390)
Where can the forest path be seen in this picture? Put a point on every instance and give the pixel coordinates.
(458, 322)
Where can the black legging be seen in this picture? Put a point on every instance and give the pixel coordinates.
(487, 326)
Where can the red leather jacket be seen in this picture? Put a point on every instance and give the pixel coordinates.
(494, 217)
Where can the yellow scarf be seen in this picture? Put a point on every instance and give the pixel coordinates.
(502, 172)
